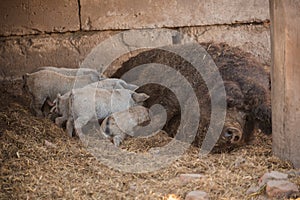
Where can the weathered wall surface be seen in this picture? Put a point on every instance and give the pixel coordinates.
(61, 33)
(20, 17)
(128, 14)
(254, 39)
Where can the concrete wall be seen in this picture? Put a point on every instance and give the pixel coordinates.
(62, 32)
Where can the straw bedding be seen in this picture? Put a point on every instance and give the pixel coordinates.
(39, 161)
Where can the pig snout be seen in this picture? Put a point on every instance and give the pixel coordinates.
(232, 135)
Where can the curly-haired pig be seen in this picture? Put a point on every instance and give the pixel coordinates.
(61, 103)
(44, 86)
(118, 125)
(87, 103)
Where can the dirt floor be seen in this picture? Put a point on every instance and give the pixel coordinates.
(39, 161)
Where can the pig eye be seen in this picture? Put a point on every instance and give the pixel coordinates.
(230, 101)
(246, 118)
(228, 133)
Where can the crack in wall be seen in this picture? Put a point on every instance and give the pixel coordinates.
(236, 24)
(79, 15)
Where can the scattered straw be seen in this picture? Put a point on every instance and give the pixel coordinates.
(39, 161)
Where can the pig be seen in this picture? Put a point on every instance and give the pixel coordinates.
(86, 102)
(70, 71)
(246, 82)
(61, 106)
(44, 86)
(114, 83)
(119, 124)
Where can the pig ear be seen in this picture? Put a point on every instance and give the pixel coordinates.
(139, 97)
(133, 87)
(129, 86)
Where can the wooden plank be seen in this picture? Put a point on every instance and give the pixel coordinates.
(285, 38)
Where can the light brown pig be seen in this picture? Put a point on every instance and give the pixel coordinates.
(45, 85)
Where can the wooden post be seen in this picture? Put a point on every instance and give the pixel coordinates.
(285, 39)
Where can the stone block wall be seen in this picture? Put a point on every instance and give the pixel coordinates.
(62, 32)
(20, 17)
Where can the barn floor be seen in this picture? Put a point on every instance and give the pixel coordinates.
(39, 161)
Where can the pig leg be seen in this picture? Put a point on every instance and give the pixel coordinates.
(31, 105)
(60, 120)
(35, 109)
(37, 105)
(249, 128)
(79, 123)
(263, 114)
(70, 127)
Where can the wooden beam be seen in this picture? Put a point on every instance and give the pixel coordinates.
(285, 40)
